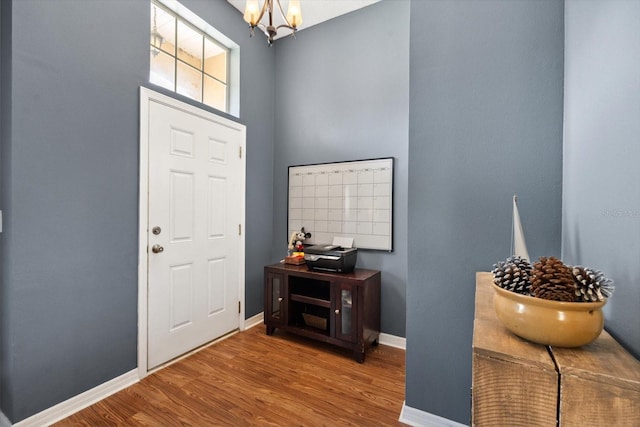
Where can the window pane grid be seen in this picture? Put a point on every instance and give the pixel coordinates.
(213, 77)
(200, 63)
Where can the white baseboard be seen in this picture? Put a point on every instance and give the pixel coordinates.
(256, 320)
(81, 401)
(417, 418)
(393, 341)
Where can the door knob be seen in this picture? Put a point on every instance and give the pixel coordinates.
(156, 249)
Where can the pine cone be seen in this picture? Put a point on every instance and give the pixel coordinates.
(513, 275)
(551, 279)
(591, 285)
(521, 263)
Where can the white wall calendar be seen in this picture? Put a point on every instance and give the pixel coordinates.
(345, 199)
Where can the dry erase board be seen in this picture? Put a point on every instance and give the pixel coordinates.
(345, 199)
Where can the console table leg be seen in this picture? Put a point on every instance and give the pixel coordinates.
(270, 329)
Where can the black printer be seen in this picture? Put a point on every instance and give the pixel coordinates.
(330, 258)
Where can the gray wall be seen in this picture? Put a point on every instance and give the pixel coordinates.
(343, 94)
(5, 82)
(69, 202)
(485, 123)
(70, 189)
(601, 202)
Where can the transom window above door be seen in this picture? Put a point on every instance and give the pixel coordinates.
(187, 60)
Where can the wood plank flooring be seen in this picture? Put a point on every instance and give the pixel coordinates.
(251, 379)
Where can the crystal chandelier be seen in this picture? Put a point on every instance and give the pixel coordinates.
(253, 14)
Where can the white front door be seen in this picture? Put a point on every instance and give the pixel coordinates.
(195, 213)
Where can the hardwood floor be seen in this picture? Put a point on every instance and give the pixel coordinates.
(251, 379)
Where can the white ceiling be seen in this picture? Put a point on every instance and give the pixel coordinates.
(313, 11)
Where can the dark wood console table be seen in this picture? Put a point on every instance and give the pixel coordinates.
(336, 308)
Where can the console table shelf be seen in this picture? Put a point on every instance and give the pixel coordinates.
(342, 309)
(310, 300)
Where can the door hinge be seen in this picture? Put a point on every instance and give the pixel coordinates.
(239, 229)
(240, 153)
(239, 305)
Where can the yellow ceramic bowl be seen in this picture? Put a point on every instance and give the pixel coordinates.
(555, 323)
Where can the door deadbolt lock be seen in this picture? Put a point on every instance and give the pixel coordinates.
(156, 230)
(156, 249)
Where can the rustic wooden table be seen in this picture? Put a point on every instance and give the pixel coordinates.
(519, 383)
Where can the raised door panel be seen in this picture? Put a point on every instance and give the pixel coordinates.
(180, 299)
(182, 206)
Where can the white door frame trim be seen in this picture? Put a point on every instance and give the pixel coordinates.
(147, 96)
